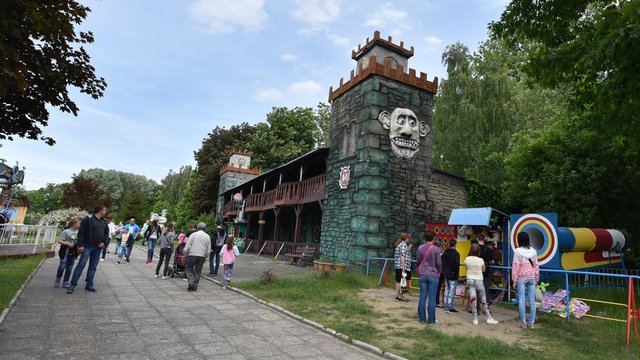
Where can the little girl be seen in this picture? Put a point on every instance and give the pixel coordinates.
(68, 251)
(124, 249)
(229, 253)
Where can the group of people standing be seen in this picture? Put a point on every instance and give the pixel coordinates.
(435, 265)
(88, 239)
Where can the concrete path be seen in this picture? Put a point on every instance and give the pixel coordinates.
(136, 316)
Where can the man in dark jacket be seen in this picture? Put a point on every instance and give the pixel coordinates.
(92, 236)
(217, 241)
(451, 272)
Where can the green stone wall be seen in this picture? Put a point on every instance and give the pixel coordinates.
(387, 194)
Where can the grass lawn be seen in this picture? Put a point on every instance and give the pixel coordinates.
(13, 273)
(335, 302)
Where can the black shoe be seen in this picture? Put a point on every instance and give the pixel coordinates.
(453, 310)
(127, 259)
(211, 274)
(90, 289)
(70, 290)
(190, 288)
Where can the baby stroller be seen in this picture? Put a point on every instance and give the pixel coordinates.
(179, 261)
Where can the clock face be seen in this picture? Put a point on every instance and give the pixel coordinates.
(394, 62)
(241, 161)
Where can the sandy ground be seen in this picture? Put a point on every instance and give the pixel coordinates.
(508, 330)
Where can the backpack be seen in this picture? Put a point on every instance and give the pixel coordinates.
(221, 236)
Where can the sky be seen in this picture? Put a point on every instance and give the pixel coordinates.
(177, 69)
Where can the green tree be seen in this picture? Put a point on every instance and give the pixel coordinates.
(84, 193)
(116, 183)
(591, 49)
(42, 55)
(172, 186)
(286, 135)
(485, 100)
(323, 120)
(134, 204)
(48, 197)
(185, 212)
(213, 154)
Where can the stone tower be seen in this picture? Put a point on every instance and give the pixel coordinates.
(234, 173)
(379, 165)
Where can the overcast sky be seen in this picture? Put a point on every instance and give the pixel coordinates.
(176, 69)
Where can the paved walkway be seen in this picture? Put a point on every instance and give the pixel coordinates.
(136, 316)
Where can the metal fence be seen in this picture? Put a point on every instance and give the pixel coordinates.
(36, 235)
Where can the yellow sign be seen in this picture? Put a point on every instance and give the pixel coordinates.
(261, 222)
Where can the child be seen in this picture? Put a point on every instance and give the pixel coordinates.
(124, 248)
(68, 252)
(229, 253)
(118, 236)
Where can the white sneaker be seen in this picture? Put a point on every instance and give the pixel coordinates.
(224, 287)
(183, 279)
(156, 276)
(164, 278)
(492, 321)
(102, 259)
(474, 322)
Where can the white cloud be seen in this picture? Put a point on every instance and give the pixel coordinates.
(269, 94)
(288, 57)
(432, 40)
(222, 16)
(339, 40)
(387, 15)
(304, 89)
(316, 13)
(298, 90)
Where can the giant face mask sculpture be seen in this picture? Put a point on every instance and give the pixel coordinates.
(405, 131)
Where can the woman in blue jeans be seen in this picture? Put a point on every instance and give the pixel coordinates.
(525, 274)
(429, 268)
(151, 235)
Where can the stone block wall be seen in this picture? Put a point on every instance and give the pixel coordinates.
(387, 194)
(448, 192)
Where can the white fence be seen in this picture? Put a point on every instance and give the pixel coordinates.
(36, 235)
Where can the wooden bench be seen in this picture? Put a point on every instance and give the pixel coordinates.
(303, 254)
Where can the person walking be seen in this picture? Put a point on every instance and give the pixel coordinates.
(112, 230)
(451, 272)
(525, 274)
(166, 248)
(220, 238)
(68, 252)
(229, 253)
(475, 267)
(429, 268)
(151, 235)
(197, 249)
(402, 264)
(92, 235)
(134, 234)
(118, 233)
(145, 226)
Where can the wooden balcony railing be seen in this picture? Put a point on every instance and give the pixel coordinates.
(292, 193)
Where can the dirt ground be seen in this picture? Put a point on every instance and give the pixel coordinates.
(508, 330)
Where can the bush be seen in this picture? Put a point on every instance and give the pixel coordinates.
(62, 216)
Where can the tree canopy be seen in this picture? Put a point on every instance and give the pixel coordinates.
(287, 134)
(41, 55)
(213, 154)
(84, 193)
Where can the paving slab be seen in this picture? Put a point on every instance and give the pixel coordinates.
(134, 315)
